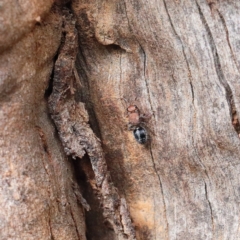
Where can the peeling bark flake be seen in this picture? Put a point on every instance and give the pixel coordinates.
(78, 139)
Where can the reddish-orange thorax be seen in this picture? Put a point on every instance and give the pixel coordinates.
(133, 118)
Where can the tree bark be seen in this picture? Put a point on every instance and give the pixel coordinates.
(38, 200)
(178, 62)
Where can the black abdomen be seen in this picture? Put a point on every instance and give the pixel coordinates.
(140, 135)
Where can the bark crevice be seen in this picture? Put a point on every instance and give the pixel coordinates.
(125, 5)
(46, 150)
(145, 77)
(50, 225)
(78, 139)
(79, 197)
(74, 220)
(183, 50)
(228, 40)
(161, 189)
(210, 208)
(219, 71)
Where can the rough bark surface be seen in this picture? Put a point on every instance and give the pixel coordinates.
(71, 120)
(178, 60)
(20, 17)
(37, 199)
(175, 59)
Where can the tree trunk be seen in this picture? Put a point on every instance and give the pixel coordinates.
(178, 62)
(37, 200)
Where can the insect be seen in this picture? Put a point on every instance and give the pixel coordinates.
(135, 121)
(140, 135)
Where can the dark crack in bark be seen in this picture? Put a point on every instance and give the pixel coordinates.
(210, 207)
(50, 224)
(46, 149)
(79, 196)
(144, 71)
(74, 221)
(192, 91)
(219, 71)
(235, 120)
(161, 188)
(228, 40)
(78, 139)
(183, 50)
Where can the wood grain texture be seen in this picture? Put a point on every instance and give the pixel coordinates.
(178, 60)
